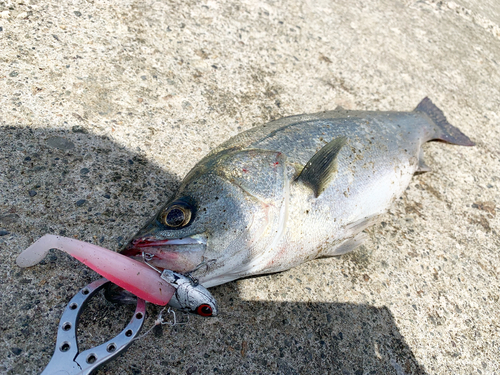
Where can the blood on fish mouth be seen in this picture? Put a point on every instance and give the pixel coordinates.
(148, 243)
(179, 254)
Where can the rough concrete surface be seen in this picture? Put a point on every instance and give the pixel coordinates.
(106, 105)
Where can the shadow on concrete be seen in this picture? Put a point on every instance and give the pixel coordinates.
(81, 185)
(68, 182)
(255, 337)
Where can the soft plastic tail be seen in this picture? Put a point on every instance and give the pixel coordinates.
(136, 277)
(448, 133)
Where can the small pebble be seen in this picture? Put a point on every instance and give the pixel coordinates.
(13, 74)
(81, 202)
(84, 171)
(135, 370)
(16, 351)
(32, 193)
(9, 219)
(60, 143)
(77, 13)
(78, 129)
(4, 233)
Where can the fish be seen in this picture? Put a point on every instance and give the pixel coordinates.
(290, 191)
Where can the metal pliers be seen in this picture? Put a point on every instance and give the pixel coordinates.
(67, 360)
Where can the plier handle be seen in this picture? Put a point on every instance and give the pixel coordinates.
(67, 360)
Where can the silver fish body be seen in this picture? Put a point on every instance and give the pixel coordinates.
(295, 189)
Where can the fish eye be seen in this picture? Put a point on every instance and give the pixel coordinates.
(177, 215)
(204, 310)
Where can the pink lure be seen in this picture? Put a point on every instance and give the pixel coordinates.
(131, 275)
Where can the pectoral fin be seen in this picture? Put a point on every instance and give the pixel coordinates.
(322, 167)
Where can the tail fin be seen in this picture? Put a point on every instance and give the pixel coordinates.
(448, 133)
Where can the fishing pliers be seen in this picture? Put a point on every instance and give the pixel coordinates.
(67, 360)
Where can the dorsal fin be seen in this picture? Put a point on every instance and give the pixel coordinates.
(322, 167)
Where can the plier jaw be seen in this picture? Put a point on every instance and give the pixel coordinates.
(67, 360)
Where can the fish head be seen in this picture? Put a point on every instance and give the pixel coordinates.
(226, 210)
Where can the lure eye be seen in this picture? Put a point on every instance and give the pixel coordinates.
(177, 215)
(204, 310)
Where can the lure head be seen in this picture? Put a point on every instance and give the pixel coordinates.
(190, 296)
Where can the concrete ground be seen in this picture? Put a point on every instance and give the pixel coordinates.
(106, 105)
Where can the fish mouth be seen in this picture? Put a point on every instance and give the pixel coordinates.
(177, 254)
